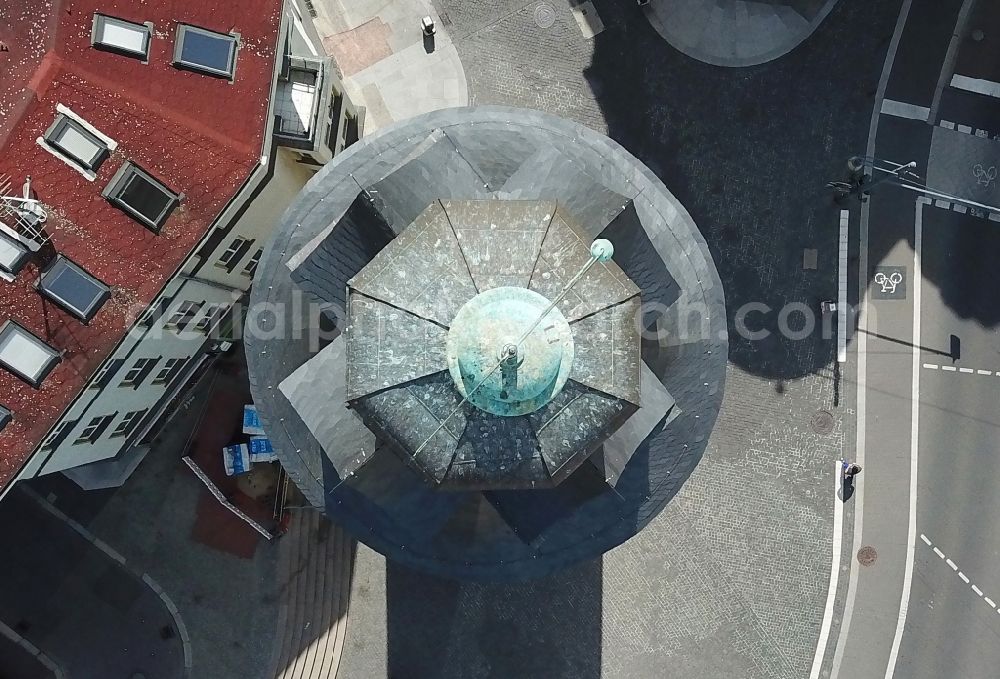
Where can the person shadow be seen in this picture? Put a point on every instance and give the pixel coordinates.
(846, 488)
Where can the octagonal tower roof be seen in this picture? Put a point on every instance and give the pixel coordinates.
(392, 214)
(430, 322)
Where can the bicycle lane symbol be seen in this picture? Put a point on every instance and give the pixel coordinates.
(889, 282)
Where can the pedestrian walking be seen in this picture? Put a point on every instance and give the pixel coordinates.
(851, 469)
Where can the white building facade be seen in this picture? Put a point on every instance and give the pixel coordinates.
(102, 437)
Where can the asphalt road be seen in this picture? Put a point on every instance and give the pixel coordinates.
(952, 627)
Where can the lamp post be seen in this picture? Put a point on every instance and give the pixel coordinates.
(860, 182)
(901, 175)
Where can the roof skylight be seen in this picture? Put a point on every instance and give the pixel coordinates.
(121, 36)
(76, 142)
(73, 288)
(140, 195)
(205, 51)
(13, 254)
(25, 355)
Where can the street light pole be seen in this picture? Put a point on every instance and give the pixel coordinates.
(904, 178)
(860, 181)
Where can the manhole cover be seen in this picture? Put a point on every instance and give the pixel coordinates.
(545, 15)
(867, 556)
(822, 422)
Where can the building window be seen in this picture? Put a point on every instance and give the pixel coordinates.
(137, 373)
(234, 253)
(251, 267)
(205, 51)
(211, 317)
(57, 435)
(5, 417)
(25, 355)
(141, 196)
(106, 373)
(152, 313)
(13, 254)
(121, 36)
(72, 288)
(94, 429)
(184, 314)
(73, 140)
(128, 424)
(170, 368)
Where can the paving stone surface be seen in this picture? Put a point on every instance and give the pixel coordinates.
(730, 579)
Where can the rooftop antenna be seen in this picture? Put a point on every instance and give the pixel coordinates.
(601, 250)
(21, 217)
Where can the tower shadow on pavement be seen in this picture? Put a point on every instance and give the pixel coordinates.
(550, 627)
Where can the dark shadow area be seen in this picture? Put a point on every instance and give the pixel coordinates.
(444, 629)
(77, 604)
(748, 151)
(960, 256)
(16, 661)
(428, 42)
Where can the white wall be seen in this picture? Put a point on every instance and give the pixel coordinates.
(155, 341)
(258, 222)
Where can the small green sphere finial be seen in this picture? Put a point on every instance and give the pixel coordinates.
(602, 250)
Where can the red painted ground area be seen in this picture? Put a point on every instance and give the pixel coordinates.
(201, 136)
(220, 426)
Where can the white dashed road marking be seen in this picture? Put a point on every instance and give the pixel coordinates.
(965, 578)
(967, 371)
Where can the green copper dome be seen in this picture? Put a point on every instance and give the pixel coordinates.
(513, 378)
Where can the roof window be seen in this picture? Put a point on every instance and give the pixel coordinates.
(205, 51)
(13, 255)
(77, 143)
(25, 355)
(141, 195)
(5, 417)
(121, 36)
(72, 288)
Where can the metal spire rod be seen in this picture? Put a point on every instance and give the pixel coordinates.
(601, 250)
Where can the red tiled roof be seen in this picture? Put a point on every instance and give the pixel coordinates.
(200, 135)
